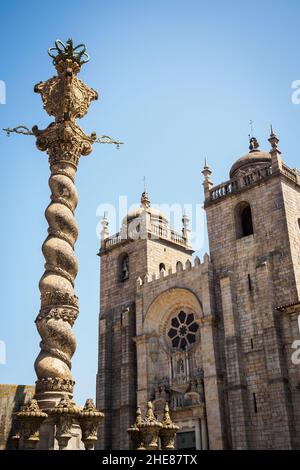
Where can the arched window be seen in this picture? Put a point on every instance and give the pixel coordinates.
(124, 267)
(244, 222)
(179, 266)
(162, 266)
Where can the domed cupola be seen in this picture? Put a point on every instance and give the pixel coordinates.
(140, 219)
(251, 161)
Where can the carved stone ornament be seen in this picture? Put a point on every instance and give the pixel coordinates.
(89, 421)
(30, 419)
(150, 428)
(168, 432)
(135, 433)
(64, 413)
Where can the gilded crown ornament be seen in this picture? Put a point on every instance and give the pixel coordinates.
(63, 52)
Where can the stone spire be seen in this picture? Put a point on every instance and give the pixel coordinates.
(186, 231)
(275, 152)
(207, 183)
(105, 224)
(145, 200)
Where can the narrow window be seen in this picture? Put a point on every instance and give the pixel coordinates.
(243, 220)
(254, 403)
(249, 282)
(179, 266)
(246, 219)
(252, 346)
(162, 266)
(124, 268)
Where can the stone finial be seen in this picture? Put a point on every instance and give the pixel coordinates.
(273, 139)
(197, 261)
(168, 432)
(275, 152)
(150, 428)
(206, 259)
(105, 224)
(206, 172)
(30, 419)
(135, 433)
(145, 200)
(207, 183)
(89, 420)
(64, 413)
(253, 145)
(186, 232)
(146, 432)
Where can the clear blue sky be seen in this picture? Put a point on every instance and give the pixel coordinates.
(178, 80)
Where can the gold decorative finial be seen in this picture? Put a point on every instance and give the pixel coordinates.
(66, 98)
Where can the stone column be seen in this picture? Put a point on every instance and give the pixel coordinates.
(66, 98)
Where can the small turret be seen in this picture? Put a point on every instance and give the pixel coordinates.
(207, 183)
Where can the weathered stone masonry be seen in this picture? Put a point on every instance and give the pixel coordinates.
(230, 383)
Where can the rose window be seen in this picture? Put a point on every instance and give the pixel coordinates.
(183, 330)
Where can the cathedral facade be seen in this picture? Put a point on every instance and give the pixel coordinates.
(213, 338)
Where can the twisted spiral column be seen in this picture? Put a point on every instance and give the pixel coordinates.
(59, 305)
(66, 98)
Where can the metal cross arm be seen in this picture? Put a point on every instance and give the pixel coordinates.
(103, 139)
(18, 130)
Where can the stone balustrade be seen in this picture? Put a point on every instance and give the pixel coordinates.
(234, 185)
(155, 232)
(244, 181)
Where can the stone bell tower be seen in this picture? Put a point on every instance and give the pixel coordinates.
(254, 237)
(145, 245)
